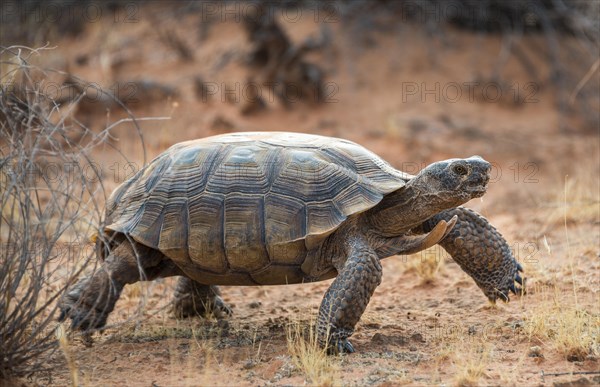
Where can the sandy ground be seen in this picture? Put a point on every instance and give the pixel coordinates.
(543, 199)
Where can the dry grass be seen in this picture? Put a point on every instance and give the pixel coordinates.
(204, 348)
(471, 359)
(578, 201)
(564, 327)
(559, 321)
(310, 359)
(63, 342)
(469, 355)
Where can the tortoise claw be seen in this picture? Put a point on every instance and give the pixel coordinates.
(519, 279)
(519, 267)
(348, 347)
(220, 309)
(340, 346)
(503, 295)
(513, 289)
(519, 290)
(63, 315)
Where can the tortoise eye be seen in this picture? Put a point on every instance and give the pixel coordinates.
(460, 170)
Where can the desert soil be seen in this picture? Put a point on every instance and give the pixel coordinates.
(416, 330)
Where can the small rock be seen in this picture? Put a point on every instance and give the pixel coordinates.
(418, 337)
(255, 304)
(575, 356)
(249, 364)
(517, 324)
(535, 351)
(378, 338)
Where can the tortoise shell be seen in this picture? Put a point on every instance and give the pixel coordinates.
(247, 208)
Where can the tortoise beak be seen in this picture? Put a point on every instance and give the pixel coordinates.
(480, 176)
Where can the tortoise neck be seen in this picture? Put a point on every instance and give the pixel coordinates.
(403, 210)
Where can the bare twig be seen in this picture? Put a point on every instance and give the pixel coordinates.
(583, 81)
(51, 200)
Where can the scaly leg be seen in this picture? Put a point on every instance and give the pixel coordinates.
(481, 251)
(90, 301)
(347, 298)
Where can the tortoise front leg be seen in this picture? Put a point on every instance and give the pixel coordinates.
(90, 301)
(195, 299)
(347, 298)
(481, 251)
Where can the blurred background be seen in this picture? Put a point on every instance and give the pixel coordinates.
(414, 81)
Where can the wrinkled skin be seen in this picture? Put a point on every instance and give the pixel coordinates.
(424, 212)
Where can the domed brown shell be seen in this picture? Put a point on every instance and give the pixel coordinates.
(247, 202)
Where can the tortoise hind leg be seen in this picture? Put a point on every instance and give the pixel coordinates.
(195, 299)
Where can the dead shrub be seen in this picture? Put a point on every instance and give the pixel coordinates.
(51, 198)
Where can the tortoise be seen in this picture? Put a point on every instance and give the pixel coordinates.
(275, 208)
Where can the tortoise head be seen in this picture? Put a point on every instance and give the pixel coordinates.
(454, 181)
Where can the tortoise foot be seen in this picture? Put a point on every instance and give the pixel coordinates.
(86, 310)
(340, 346)
(338, 342)
(511, 286)
(194, 299)
(188, 307)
